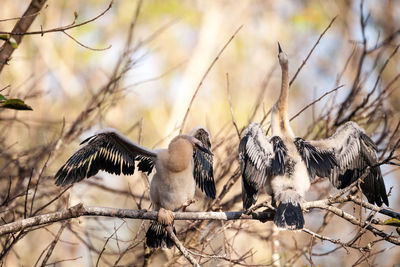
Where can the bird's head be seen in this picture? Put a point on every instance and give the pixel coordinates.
(197, 144)
(283, 60)
(203, 135)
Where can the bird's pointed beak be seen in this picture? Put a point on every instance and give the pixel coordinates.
(202, 148)
(279, 48)
(199, 145)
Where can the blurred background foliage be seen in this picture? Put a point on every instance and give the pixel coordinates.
(57, 78)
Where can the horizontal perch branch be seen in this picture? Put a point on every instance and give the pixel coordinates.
(267, 215)
(80, 210)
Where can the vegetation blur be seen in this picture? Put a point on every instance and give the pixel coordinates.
(136, 65)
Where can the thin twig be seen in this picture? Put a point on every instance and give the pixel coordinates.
(204, 76)
(315, 101)
(105, 244)
(85, 46)
(37, 183)
(18, 18)
(181, 248)
(230, 106)
(312, 49)
(62, 28)
(53, 243)
(22, 25)
(26, 195)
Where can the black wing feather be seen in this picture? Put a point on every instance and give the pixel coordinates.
(354, 151)
(318, 162)
(145, 164)
(251, 176)
(260, 158)
(280, 151)
(203, 171)
(108, 151)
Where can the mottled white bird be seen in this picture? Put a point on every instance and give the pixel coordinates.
(284, 164)
(185, 162)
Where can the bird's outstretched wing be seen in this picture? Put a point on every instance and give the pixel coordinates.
(318, 162)
(109, 151)
(260, 158)
(354, 151)
(203, 164)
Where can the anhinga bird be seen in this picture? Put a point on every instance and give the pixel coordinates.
(284, 164)
(185, 162)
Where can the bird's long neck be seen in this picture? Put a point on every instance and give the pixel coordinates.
(279, 118)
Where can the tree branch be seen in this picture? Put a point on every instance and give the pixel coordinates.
(181, 248)
(22, 26)
(266, 215)
(80, 210)
(312, 49)
(204, 77)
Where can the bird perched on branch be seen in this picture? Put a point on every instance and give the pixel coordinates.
(185, 162)
(284, 164)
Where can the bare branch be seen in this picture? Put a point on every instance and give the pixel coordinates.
(230, 105)
(25, 22)
(181, 248)
(315, 101)
(58, 29)
(53, 244)
(22, 26)
(312, 49)
(85, 46)
(204, 76)
(80, 210)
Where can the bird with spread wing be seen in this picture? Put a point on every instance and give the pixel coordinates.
(187, 161)
(284, 164)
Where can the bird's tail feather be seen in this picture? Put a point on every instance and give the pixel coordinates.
(157, 236)
(289, 214)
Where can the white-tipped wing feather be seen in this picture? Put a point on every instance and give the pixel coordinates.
(109, 151)
(260, 157)
(354, 151)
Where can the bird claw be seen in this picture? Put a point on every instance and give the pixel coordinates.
(165, 217)
(188, 203)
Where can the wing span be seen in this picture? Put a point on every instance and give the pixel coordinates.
(203, 164)
(260, 159)
(109, 151)
(354, 151)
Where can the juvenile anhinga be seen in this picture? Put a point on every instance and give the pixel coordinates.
(284, 164)
(185, 162)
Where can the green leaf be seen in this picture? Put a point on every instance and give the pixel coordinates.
(4, 37)
(15, 104)
(2, 98)
(392, 222)
(13, 43)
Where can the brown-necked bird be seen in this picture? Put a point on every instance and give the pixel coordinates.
(284, 164)
(185, 162)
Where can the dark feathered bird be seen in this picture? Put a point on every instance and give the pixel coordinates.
(284, 164)
(185, 162)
